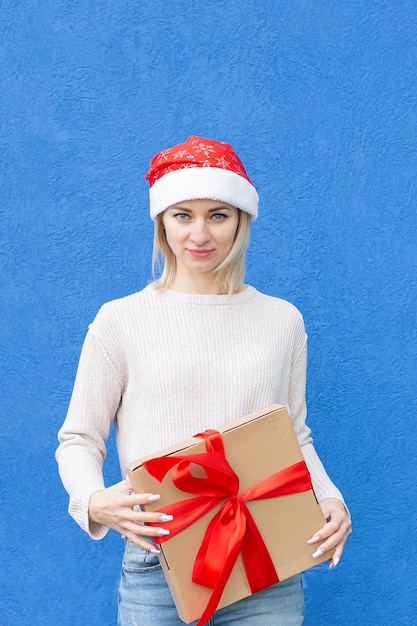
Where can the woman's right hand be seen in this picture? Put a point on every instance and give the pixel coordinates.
(118, 507)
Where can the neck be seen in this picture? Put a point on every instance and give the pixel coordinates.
(201, 284)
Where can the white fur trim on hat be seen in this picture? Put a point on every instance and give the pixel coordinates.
(211, 183)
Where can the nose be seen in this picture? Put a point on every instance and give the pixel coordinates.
(199, 234)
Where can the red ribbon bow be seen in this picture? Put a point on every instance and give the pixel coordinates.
(232, 529)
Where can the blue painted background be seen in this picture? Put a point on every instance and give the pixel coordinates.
(320, 100)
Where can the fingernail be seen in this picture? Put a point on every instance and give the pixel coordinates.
(162, 532)
(166, 518)
(317, 553)
(313, 539)
(155, 551)
(153, 497)
(334, 562)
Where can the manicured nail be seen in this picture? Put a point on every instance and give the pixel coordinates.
(334, 562)
(166, 518)
(162, 532)
(155, 551)
(314, 539)
(153, 497)
(317, 553)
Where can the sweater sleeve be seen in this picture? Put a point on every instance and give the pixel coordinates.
(82, 450)
(322, 484)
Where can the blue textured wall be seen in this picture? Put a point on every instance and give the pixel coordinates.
(320, 99)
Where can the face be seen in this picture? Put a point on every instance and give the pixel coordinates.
(200, 233)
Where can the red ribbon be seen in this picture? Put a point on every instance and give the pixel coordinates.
(232, 529)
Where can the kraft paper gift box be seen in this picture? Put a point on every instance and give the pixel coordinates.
(258, 447)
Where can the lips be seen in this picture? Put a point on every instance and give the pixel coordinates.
(199, 254)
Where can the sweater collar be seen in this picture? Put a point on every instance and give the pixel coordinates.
(168, 295)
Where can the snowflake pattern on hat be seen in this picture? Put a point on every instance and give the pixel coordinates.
(195, 152)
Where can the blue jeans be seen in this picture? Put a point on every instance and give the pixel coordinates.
(145, 600)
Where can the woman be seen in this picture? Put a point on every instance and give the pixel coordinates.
(194, 349)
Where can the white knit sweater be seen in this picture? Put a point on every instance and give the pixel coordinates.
(166, 365)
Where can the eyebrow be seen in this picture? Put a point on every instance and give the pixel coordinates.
(221, 207)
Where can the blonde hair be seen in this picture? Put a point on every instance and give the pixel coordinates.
(229, 274)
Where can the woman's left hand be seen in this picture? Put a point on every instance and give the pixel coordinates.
(335, 531)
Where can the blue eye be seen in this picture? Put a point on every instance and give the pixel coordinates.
(181, 216)
(217, 217)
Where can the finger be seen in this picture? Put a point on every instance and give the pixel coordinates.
(147, 516)
(151, 518)
(141, 535)
(138, 515)
(336, 541)
(125, 519)
(325, 531)
(143, 529)
(337, 555)
(142, 543)
(138, 499)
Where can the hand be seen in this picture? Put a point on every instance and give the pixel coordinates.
(335, 532)
(118, 507)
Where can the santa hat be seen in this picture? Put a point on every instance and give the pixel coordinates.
(196, 169)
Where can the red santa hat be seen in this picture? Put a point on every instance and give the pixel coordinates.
(196, 169)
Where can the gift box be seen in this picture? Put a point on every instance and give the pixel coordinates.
(243, 507)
